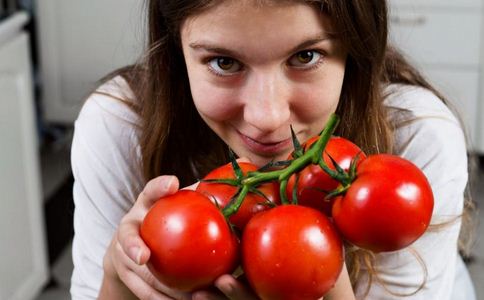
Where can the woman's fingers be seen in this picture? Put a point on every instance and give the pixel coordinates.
(140, 288)
(208, 295)
(243, 159)
(194, 186)
(128, 233)
(141, 281)
(233, 288)
(144, 291)
(155, 189)
(127, 255)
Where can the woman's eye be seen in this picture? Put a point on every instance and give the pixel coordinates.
(224, 65)
(306, 58)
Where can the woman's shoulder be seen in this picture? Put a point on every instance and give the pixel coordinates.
(108, 120)
(106, 142)
(112, 99)
(418, 114)
(411, 102)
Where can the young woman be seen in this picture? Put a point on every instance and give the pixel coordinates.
(239, 73)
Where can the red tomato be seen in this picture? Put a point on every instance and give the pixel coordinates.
(222, 193)
(314, 183)
(291, 252)
(190, 241)
(387, 207)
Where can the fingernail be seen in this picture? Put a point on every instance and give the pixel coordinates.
(228, 289)
(135, 254)
(168, 182)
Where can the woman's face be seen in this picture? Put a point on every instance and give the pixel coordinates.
(255, 70)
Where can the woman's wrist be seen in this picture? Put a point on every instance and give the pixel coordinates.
(113, 288)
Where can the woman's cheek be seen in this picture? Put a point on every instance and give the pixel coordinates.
(215, 103)
(314, 104)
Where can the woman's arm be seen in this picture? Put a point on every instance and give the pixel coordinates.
(114, 288)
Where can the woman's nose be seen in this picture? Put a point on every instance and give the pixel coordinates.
(267, 101)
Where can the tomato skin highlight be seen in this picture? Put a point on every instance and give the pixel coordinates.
(190, 241)
(291, 252)
(314, 183)
(222, 193)
(387, 207)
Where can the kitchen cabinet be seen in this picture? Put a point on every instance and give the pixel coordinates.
(81, 41)
(23, 259)
(443, 39)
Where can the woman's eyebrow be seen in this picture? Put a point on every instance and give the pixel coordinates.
(310, 42)
(211, 47)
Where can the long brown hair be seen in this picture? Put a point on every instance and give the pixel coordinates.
(175, 140)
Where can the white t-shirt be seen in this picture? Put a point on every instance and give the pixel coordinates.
(106, 162)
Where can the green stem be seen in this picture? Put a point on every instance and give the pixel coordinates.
(312, 156)
(343, 178)
(233, 208)
(282, 192)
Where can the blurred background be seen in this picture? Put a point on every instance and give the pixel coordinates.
(52, 52)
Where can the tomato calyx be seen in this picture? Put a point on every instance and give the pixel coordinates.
(239, 175)
(298, 149)
(236, 181)
(339, 174)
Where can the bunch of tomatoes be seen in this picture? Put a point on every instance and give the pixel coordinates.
(286, 224)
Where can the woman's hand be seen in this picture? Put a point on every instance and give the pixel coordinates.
(126, 275)
(227, 287)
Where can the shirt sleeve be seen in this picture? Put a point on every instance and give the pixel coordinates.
(107, 180)
(435, 142)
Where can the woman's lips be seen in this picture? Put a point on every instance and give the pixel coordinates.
(266, 148)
